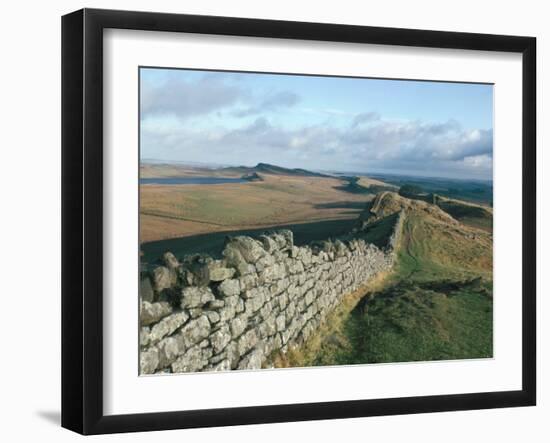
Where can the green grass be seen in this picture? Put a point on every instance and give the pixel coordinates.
(430, 251)
(468, 214)
(415, 323)
(436, 305)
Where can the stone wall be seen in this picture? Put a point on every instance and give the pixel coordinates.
(266, 294)
(395, 236)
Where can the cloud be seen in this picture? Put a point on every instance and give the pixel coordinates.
(368, 143)
(365, 117)
(272, 102)
(483, 161)
(183, 98)
(419, 141)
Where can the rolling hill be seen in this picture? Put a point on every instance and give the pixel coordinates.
(266, 168)
(437, 304)
(471, 214)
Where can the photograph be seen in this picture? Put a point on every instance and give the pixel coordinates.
(298, 220)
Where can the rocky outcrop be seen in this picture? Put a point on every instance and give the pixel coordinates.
(265, 295)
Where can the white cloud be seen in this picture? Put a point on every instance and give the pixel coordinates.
(483, 161)
(414, 146)
(182, 99)
(272, 102)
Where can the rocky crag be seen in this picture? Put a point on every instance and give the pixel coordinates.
(265, 295)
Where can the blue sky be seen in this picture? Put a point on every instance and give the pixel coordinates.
(321, 123)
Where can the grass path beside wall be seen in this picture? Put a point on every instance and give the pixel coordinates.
(436, 304)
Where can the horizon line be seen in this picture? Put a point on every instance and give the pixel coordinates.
(214, 165)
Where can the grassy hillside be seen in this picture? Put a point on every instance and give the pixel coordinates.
(420, 322)
(468, 213)
(436, 304)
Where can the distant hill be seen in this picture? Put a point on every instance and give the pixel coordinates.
(252, 173)
(266, 168)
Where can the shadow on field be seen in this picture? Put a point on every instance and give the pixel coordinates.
(213, 243)
(354, 188)
(341, 205)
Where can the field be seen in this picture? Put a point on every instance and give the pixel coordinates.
(174, 211)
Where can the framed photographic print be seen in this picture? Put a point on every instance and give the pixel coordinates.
(269, 221)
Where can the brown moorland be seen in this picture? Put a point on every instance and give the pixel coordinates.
(170, 211)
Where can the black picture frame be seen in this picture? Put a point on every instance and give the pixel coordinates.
(82, 218)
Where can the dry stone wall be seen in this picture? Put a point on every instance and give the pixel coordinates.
(265, 295)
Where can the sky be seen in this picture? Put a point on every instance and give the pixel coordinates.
(432, 129)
